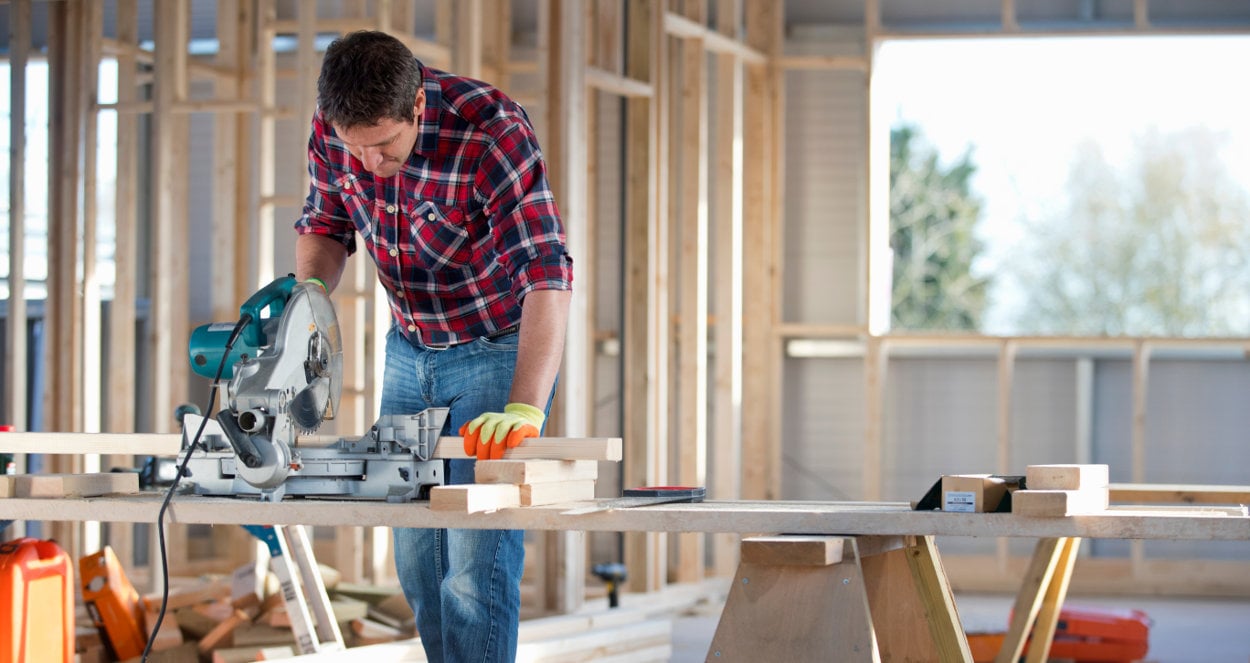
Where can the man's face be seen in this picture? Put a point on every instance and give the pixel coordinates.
(383, 148)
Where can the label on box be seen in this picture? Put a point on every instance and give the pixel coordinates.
(958, 500)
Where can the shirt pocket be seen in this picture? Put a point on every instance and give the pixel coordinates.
(440, 235)
(357, 196)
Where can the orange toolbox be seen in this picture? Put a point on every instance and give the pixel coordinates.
(36, 602)
(113, 603)
(1084, 635)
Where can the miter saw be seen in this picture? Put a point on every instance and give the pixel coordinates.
(284, 376)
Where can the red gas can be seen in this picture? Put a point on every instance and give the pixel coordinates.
(36, 602)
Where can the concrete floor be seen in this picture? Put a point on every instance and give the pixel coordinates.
(1182, 630)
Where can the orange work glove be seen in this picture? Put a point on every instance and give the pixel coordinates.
(485, 436)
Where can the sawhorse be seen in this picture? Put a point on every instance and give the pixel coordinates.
(835, 598)
(315, 630)
(1037, 605)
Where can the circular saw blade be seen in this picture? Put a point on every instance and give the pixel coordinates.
(318, 399)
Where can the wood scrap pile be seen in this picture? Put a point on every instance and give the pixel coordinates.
(243, 619)
(640, 631)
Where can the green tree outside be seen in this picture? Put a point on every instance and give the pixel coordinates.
(933, 218)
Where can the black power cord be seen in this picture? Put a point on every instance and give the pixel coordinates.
(182, 467)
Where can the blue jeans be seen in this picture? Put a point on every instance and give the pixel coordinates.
(464, 585)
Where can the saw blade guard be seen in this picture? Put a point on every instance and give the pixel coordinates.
(295, 381)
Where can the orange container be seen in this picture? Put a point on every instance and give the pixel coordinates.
(113, 604)
(36, 602)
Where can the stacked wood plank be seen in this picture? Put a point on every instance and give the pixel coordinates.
(508, 483)
(1062, 490)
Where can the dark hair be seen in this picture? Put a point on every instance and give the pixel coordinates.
(366, 77)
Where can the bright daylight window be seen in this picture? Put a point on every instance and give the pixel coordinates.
(36, 202)
(1069, 186)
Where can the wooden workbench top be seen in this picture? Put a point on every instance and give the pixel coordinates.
(889, 518)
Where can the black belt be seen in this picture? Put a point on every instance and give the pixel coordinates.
(502, 332)
(489, 337)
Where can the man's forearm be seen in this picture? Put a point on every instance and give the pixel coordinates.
(318, 256)
(544, 318)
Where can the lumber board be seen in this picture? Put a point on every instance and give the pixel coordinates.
(1150, 493)
(475, 497)
(746, 517)
(1066, 477)
(74, 485)
(137, 444)
(792, 550)
(1051, 503)
(534, 471)
(556, 492)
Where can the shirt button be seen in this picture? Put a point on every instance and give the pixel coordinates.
(412, 328)
(430, 216)
(399, 293)
(390, 209)
(394, 252)
(348, 186)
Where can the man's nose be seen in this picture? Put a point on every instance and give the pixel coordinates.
(372, 158)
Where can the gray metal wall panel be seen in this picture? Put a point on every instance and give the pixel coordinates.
(825, 196)
(823, 432)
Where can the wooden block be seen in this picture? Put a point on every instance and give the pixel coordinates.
(1065, 477)
(1057, 503)
(187, 597)
(247, 583)
(368, 632)
(194, 623)
(534, 471)
(972, 493)
(274, 653)
(170, 635)
(475, 497)
(278, 617)
(184, 653)
(75, 485)
(371, 594)
(6, 485)
(346, 609)
(236, 655)
(796, 550)
(259, 635)
(537, 494)
(222, 633)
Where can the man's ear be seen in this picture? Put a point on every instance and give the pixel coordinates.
(419, 106)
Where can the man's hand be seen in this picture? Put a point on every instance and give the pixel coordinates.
(486, 436)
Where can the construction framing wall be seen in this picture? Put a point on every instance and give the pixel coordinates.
(666, 129)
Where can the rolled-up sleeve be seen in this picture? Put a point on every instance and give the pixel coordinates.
(324, 213)
(525, 224)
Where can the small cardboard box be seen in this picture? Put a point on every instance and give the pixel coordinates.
(972, 493)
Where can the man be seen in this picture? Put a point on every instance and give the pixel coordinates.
(443, 180)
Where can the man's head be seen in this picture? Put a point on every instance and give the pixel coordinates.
(370, 92)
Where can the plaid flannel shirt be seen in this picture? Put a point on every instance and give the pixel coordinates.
(467, 227)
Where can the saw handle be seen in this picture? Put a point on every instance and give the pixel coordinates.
(273, 297)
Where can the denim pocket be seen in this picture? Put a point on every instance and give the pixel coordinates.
(505, 343)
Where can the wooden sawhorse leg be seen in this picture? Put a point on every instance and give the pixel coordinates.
(1040, 598)
(833, 598)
